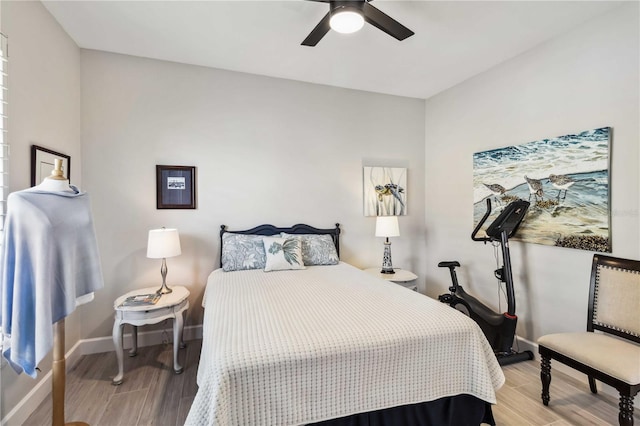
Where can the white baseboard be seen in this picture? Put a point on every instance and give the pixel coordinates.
(521, 345)
(21, 412)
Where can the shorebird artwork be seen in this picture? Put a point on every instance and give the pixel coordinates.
(497, 190)
(565, 178)
(561, 182)
(535, 188)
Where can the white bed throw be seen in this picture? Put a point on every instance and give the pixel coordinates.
(295, 347)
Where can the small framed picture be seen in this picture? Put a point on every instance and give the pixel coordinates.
(42, 163)
(175, 187)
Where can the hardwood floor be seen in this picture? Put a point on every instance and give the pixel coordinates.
(572, 403)
(153, 395)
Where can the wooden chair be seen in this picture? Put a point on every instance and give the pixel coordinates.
(609, 350)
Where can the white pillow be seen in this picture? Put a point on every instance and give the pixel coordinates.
(317, 249)
(282, 253)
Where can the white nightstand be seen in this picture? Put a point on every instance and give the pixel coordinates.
(403, 277)
(170, 306)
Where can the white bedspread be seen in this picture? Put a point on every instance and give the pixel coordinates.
(294, 347)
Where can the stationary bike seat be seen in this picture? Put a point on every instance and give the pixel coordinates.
(449, 264)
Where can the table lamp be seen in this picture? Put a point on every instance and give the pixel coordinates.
(387, 226)
(163, 243)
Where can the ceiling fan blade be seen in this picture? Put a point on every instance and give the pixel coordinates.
(318, 32)
(384, 22)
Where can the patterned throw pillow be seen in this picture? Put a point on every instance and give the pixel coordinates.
(317, 249)
(242, 251)
(282, 253)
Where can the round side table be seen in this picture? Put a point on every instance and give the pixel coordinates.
(403, 277)
(169, 306)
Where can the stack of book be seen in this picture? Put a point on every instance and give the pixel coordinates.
(141, 300)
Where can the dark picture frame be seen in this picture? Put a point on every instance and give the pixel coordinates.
(175, 187)
(42, 163)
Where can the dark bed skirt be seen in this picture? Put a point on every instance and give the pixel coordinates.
(458, 410)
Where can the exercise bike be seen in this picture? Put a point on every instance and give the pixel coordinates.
(499, 328)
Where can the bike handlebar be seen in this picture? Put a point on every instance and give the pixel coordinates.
(479, 225)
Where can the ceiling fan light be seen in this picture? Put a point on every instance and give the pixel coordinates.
(346, 21)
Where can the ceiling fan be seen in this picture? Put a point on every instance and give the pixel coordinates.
(350, 16)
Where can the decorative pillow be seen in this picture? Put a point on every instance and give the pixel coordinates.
(242, 251)
(317, 249)
(282, 253)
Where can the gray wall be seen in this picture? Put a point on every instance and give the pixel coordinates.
(266, 150)
(586, 79)
(43, 109)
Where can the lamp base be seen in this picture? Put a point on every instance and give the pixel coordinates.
(387, 266)
(164, 289)
(163, 271)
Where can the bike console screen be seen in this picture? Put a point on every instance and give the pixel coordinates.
(509, 220)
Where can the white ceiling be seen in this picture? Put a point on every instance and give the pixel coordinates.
(454, 40)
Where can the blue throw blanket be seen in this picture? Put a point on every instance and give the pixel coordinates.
(49, 260)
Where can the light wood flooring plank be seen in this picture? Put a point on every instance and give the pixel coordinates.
(42, 415)
(571, 400)
(183, 409)
(191, 368)
(505, 416)
(171, 398)
(87, 382)
(570, 397)
(152, 410)
(515, 378)
(531, 410)
(141, 370)
(123, 409)
(568, 401)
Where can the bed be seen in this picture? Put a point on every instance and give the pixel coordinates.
(332, 345)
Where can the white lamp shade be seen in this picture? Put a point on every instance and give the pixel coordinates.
(163, 243)
(387, 226)
(346, 21)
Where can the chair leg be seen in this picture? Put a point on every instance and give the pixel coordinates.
(545, 377)
(625, 418)
(592, 385)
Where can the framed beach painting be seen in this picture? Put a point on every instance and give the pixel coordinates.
(385, 191)
(566, 180)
